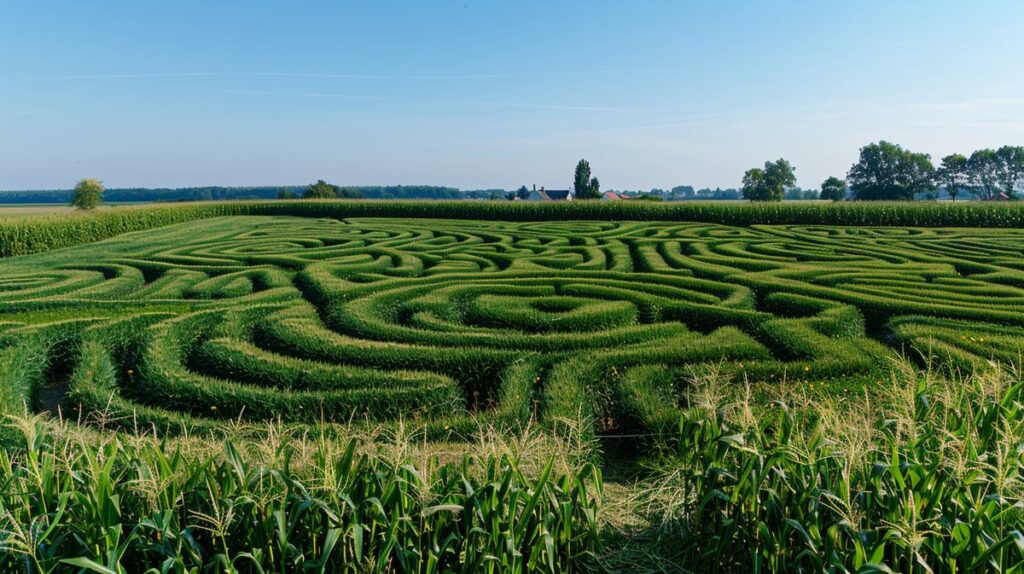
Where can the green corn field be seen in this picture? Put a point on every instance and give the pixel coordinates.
(720, 388)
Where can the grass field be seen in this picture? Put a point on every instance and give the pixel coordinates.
(819, 397)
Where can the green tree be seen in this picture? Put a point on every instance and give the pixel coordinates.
(322, 190)
(886, 171)
(754, 187)
(770, 183)
(983, 174)
(833, 189)
(586, 187)
(953, 174)
(522, 192)
(88, 194)
(1011, 168)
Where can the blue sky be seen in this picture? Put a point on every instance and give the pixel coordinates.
(479, 94)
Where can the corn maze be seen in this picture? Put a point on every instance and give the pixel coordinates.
(455, 324)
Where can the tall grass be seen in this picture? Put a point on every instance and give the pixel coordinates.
(88, 502)
(925, 477)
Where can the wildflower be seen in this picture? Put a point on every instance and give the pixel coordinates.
(130, 372)
(213, 408)
(807, 369)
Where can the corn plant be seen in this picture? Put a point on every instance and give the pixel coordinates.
(74, 503)
(930, 482)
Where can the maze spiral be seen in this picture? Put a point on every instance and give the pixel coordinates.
(461, 323)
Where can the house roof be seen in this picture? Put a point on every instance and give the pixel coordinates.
(557, 194)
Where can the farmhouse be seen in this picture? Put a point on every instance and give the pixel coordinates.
(550, 195)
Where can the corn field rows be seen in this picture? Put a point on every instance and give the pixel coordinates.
(456, 327)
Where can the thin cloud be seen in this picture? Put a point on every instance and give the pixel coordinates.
(21, 113)
(163, 75)
(307, 95)
(383, 77)
(706, 118)
(977, 104)
(548, 107)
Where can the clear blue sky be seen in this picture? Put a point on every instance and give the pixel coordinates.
(494, 94)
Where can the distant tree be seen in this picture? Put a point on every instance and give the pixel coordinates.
(586, 187)
(953, 174)
(983, 173)
(348, 192)
(88, 194)
(798, 194)
(833, 189)
(287, 194)
(648, 197)
(522, 192)
(321, 190)
(1011, 168)
(886, 171)
(770, 183)
(682, 191)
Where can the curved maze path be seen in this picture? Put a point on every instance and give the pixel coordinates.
(458, 323)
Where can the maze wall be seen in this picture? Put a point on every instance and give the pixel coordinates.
(455, 324)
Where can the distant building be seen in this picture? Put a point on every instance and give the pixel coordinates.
(612, 196)
(549, 194)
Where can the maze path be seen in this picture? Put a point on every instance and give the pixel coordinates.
(458, 323)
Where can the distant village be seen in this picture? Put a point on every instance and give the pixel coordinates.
(543, 194)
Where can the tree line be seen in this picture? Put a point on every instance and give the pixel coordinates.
(887, 171)
(884, 171)
(208, 193)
